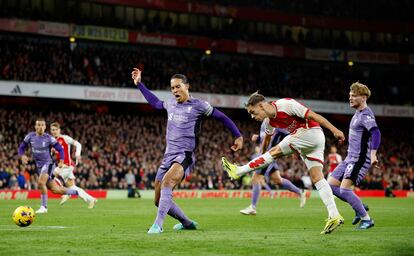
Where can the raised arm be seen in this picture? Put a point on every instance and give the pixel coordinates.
(229, 124)
(325, 123)
(148, 95)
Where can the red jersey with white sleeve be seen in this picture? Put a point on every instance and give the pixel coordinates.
(291, 116)
(66, 141)
(334, 159)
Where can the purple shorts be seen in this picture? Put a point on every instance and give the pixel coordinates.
(271, 168)
(185, 159)
(352, 168)
(46, 169)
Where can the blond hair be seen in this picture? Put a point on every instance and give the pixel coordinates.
(360, 89)
(55, 124)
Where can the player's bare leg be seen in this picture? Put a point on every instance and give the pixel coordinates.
(43, 178)
(66, 173)
(65, 198)
(287, 184)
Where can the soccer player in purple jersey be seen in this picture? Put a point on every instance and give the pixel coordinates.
(40, 144)
(272, 172)
(185, 114)
(364, 140)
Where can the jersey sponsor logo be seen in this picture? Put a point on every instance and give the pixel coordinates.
(369, 119)
(257, 163)
(178, 118)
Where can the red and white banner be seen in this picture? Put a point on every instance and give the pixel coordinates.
(324, 54)
(195, 194)
(35, 194)
(54, 29)
(16, 25)
(374, 57)
(260, 49)
(199, 42)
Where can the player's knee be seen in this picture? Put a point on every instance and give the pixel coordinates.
(277, 180)
(56, 190)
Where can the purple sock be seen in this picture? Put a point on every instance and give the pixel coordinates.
(286, 184)
(255, 194)
(164, 205)
(178, 214)
(71, 191)
(43, 198)
(354, 201)
(337, 192)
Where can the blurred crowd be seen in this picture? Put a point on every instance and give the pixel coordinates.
(121, 150)
(54, 60)
(361, 10)
(163, 21)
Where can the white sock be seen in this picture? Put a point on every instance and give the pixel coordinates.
(325, 192)
(257, 163)
(366, 217)
(82, 194)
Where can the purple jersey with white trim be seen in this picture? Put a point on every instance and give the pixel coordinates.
(359, 133)
(184, 123)
(40, 146)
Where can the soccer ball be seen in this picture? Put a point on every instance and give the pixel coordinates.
(23, 216)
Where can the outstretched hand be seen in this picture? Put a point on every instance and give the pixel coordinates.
(238, 144)
(374, 160)
(339, 135)
(136, 75)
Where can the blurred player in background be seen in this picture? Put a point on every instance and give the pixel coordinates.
(272, 172)
(333, 159)
(364, 140)
(306, 138)
(66, 172)
(185, 115)
(41, 144)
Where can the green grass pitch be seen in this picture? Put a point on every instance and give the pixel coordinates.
(118, 227)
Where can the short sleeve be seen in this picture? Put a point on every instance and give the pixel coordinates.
(27, 138)
(292, 108)
(68, 139)
(368, 121)
(53, 141)
(206, 108)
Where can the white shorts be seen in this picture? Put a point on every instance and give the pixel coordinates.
(65, 173)
(308, 143)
